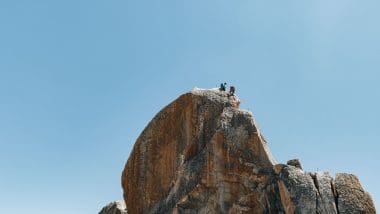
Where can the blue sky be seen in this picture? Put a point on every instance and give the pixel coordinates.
(79, 80)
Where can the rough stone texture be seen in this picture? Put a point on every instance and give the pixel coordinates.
(201, 154)
(326, 199)
(351, 196)
(297, 188)
(295, 163)
(117, 207)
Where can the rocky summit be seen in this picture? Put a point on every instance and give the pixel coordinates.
(202, 154)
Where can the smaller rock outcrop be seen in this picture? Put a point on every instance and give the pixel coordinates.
(116, 207)
(295, 163)
(351, 197)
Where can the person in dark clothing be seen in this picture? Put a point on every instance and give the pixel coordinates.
(222, 87)
(232, 90)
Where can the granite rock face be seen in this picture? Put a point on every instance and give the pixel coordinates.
(351, 197)
(202, 154)
(116, 207)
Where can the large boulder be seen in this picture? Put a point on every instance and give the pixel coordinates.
(202, 154)
(198, 154)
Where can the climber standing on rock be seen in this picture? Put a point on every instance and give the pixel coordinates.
(232, 91)
(223, 87)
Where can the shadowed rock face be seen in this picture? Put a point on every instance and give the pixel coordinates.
(201, 154)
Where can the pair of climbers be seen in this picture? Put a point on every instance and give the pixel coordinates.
(223, 88)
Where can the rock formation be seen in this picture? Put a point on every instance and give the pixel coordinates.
(202, 154)
(295, 163)
(117, 207)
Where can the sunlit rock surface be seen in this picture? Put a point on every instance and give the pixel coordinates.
(202, 154)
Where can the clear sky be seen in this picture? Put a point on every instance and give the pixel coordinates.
(79, 80)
